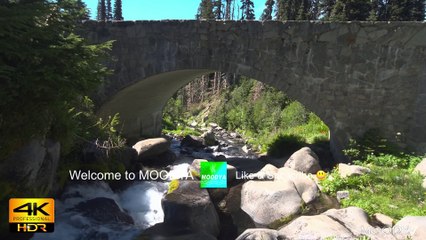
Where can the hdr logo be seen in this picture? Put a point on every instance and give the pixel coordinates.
(31, 215)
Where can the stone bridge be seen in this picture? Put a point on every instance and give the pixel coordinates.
(355, 76)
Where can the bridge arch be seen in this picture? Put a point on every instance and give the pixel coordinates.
(354, 76)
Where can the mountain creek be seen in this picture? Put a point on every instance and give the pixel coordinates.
(266, 198)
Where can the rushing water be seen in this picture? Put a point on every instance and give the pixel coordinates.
(142, 200)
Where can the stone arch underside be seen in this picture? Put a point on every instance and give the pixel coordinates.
(354, 76)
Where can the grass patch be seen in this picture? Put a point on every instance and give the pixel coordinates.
(396, 192)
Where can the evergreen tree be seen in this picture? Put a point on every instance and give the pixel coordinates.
(118, 12)
(297, 10)
(350, 10)
(228, 14)
(267, 12)
(108, 10)
(247, 10)
(101, 14)
(217, 9)
(325, 8)
(403, 10)
(205, 10)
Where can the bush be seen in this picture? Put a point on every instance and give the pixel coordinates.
(45, 70)
(283, 145)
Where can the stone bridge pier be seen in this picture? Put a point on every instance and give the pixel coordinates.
(355, 76)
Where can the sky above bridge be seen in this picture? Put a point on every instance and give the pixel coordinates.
(164, 9)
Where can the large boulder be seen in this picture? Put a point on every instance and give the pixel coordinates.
(268, 172)
(315, 228)
(421, 167)
(263, 200)
(103, 210)
(231, 204)
(410, 228)
(259, 233)
(304, 160)
(192, 142)
(196, 166)
(151, 147)
(357, 221)
(190, 206)
(209, 138)
(346, 170)
(382, 220)
(33, 166)
(305, 186)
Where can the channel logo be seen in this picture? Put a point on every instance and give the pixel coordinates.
(29, 215)
(213, 175)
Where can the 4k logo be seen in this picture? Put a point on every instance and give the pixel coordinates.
(31, 214)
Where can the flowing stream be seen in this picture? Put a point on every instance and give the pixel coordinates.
(141, 201)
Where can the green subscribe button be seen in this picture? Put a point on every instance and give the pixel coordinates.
(213, 175)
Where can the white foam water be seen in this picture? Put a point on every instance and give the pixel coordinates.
(142, 201)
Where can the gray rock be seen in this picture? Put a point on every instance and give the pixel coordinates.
(305, 186)
(314, 228)
(209, 138)
(268, 172)
(103, 210)
(193, 124)
(304, 160)
(410, 228)
(421, 167)
(192, 142)
(34, 165)
(234, 135)
(231, 205)
(346, 170)
(196, 166)
(213, 125)
(245, 149)
(342, 195)
(262, 200)
(190, 206)
(151, 147)
(259, 234)
(231, 173)
(356, 220)
(383, 220)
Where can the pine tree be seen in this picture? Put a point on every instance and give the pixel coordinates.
(404, 10)
(351, 10)
(118, 12)
(267, 12)
(228, 14)
(108, 10)
(247, 10)
(217, 9)
(205, 10)
(297, 10)
(325, 8)
(101, 14)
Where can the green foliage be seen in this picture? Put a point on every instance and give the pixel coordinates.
(285, 144)
(392, 191)
(374, 149)
(45, 69)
